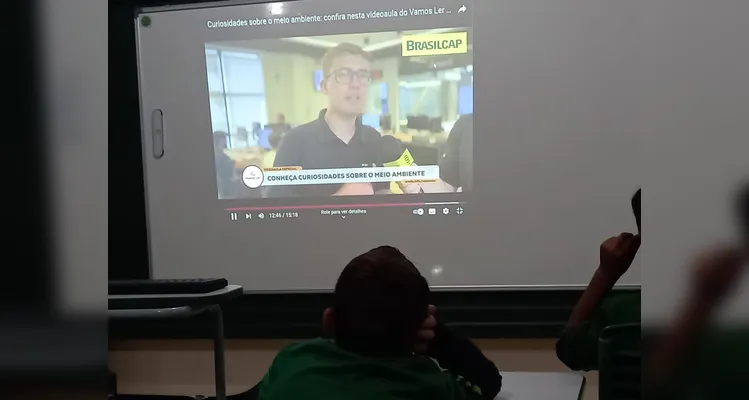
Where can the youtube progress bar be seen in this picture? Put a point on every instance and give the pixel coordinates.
(321, 206)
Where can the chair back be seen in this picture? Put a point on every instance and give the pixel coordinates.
(619, 362)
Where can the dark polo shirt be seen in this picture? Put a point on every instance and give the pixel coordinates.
(315, 146)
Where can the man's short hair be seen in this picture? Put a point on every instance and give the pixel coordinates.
(340, 50)
(380, 302)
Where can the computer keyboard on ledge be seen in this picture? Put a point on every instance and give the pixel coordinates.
(166, 286)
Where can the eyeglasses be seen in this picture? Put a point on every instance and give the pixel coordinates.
(346, 75)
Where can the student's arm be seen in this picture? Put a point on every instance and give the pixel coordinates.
(713, 277)
(457, 354)
(460, 389)
(578, 346)
(288, 155)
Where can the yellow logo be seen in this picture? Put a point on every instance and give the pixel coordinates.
(405, 160)
(434, 44)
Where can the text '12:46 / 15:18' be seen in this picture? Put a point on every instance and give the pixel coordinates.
(284, 214)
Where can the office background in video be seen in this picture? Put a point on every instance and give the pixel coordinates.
(260, 89)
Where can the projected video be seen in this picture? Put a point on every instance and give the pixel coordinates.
(359, 114)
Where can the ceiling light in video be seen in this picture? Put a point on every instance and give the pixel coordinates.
(276, 8)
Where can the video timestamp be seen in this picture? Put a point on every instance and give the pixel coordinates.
(286, 214)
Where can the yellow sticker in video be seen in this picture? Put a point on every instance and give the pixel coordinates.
(434, 44)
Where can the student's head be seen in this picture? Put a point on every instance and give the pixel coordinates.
(219, 140)
(281, 118)
(379, 304)
(347, 71)
(637, 208)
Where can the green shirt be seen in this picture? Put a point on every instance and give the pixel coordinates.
(578, 347)
(320, 370)
(616, 309)
(715, 369)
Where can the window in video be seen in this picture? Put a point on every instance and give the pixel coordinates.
(343, 115)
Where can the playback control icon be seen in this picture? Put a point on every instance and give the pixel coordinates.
(236, 216)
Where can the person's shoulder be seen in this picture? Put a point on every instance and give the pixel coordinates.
(623, 300)
(302, 348)
(621, 308)
(369, 133)
(301, 132)
(312, 126)
(308, 344)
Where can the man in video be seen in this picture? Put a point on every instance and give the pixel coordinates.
(337, 138)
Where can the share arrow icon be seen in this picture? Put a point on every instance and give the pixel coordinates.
(462, 9)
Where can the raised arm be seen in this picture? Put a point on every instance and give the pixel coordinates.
(578, 346)
(713, 276)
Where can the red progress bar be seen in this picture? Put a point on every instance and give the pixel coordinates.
(324, 206)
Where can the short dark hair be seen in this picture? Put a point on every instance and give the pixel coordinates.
(379, 304)
(637, 208)
(342, 49)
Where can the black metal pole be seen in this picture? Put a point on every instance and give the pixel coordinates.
(219, 366)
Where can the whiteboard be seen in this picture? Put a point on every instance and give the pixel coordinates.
(556, 154)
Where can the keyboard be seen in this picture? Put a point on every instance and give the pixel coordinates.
(166, 286)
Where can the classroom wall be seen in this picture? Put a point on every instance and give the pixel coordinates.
(185, 367)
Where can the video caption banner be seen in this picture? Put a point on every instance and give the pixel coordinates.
(254, 177)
